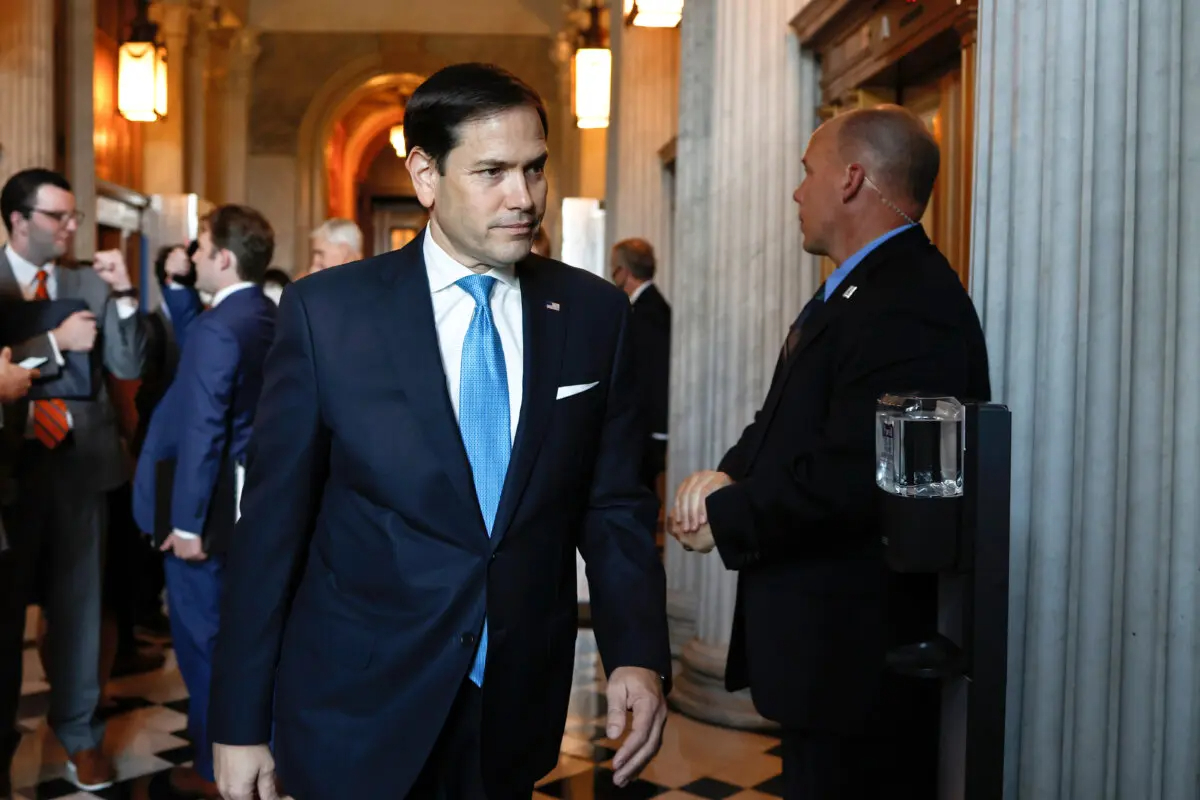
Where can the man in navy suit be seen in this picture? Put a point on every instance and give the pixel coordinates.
(440, 428)
(203, 426)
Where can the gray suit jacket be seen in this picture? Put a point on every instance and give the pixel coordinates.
(94, 460)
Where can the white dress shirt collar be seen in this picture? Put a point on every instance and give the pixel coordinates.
(228, 290)
(633, 298)
(444, 271)
(24, 271)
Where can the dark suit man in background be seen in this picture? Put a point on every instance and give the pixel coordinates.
(66, 456)
(440, 429)
(633, 269)
(203, 425)
(792, 505)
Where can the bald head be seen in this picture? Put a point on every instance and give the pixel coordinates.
(896, 150)
(866, 172)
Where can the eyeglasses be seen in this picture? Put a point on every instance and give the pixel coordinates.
(61, 217)
(888, 202)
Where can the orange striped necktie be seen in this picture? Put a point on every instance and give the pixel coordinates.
(50, 424)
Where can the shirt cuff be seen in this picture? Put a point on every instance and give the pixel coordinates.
(126, 307)
(184, 534)
(58, 356)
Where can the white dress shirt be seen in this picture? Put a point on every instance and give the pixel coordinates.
(633, 298)
(453, 308)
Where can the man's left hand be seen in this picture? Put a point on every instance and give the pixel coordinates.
(110, 266)
(638, 690)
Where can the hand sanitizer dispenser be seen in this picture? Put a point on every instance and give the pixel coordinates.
(943, 472)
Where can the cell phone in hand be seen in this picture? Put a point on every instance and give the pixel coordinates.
(33, 362)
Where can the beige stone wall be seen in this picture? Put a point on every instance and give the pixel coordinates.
(271, 188)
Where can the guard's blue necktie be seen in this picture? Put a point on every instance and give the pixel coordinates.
(483, 417)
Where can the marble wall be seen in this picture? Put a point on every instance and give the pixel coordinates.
(748, 102)
(1086, 272)
(645, 119)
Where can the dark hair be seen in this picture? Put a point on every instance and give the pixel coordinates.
(637, 256)
(246, 233)
(20, 192)
(458, 94)
(276, 275)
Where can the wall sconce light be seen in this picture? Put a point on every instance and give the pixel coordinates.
(593, 75)
(653, 13)
(396, 137)
(593, 82)
(142, 72)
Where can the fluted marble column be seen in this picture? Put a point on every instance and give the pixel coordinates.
(26, 87)
(1086, 270)
(243, 52)
(748, 102)
(81, 118)
(163, 141)
(197, 91)
(645, 117)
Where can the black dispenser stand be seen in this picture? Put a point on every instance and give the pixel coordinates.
(965, 541)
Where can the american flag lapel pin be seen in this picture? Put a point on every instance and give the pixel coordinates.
(850, 292)
(552, 306)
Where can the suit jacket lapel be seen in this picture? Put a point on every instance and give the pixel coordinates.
(404, 310)
(829, 311)
(9, 287)
(68, 283)
(544, 329)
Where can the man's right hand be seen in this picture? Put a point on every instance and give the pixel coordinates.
(245, 773)
(77, 333)
(15, 380)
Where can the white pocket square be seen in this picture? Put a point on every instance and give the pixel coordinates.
(571, 391)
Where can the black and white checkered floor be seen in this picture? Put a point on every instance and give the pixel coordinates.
(147, 733)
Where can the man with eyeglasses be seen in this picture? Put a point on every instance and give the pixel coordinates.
(60, 458)
(791, 506)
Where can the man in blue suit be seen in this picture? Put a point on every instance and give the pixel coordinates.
(199, 434)
(440, 428)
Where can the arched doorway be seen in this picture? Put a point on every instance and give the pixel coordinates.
(343, 131)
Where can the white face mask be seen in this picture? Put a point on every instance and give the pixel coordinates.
(273, 291)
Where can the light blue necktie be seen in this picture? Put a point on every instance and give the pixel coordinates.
(483, 417)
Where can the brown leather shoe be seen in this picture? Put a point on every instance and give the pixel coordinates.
(186, 782)
(91, 770)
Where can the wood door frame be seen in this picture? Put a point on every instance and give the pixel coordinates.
(871, 52)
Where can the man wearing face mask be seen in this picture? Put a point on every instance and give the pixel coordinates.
(274, 282)
(66, 456)
(400, 602)
(633, 270)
